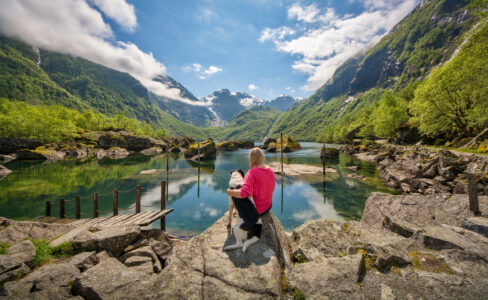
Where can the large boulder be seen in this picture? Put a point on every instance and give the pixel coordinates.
(267, 142)
(419, 210)
(111, 279)
(406, 134)
(477, 224)
(289, 145)
(11, 145)
(14, 231)
(15, 260)
(202, 269)
(328, 153)
(207, 150)
(45, 278)
(334, 278)
(112, 139)
(41, 153)
(113, 239)
(234, 145)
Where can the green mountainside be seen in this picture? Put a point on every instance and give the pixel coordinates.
(79, 84)
(251, 124)
(426, 38)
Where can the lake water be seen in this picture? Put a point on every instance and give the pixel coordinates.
(198, 199)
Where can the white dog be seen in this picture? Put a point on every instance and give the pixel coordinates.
(246, 234)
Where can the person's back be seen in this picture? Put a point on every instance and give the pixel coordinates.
(259, 183)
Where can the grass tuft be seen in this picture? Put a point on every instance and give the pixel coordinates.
(4, 247)
(46, 253)
(429, 263)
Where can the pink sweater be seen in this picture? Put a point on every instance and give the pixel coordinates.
(259, 183)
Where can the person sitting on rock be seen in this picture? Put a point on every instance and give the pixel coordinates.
(259, 184)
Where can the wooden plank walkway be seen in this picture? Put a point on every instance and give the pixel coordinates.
(140, 219)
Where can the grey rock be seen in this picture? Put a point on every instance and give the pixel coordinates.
(112, 239)
(15, 231)
(477, 224)
(134, 261)
(335, 277)
(11, 145)
(116, 153)
(85, 260)
(387, 293)
(328, 153)
(15, 273)
(162, 249)
(147, 252)
(49, 294)
(4, 171)
(399, 226)
(152, 151)
(419, 210)
(102, 255)
(5, 158)
(44, 278)
(110, 279)
(138, 244)
(460, 188)
(45, 154)
(17, 254)
(452, 237)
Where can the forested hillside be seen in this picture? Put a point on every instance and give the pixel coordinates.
(251, 124)
(371, 92)
(54, 78)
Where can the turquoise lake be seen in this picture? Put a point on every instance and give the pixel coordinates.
(198, 199)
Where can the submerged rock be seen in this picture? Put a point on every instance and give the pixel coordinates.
(4, 171)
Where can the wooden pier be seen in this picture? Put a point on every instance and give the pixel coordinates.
(138, 218)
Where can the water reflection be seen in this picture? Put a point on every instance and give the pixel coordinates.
(196, 194)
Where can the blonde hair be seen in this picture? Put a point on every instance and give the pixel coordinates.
(256, 157)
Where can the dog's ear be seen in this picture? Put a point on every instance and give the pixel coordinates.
(240, 171)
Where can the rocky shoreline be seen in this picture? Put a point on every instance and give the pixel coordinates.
(404, 247)
(421, 170)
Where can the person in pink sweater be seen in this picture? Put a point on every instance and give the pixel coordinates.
(259, 184)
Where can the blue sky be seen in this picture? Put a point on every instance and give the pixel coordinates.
(263, 47)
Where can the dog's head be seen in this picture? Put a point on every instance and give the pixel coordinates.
(236, 179)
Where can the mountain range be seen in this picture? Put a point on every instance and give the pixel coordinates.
(428, 37)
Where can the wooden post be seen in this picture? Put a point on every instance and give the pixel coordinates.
(62, 213)
(95, 205)
(198, 155)
(116, 202)
(473, 194)
(167, 161)
(48, 208)
(77, 207)
(282, 171)
(163, 204)
(138, 199)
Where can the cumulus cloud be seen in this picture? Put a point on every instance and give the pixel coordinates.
(77, 28)
(252, 87)
(323, 40)
(120, 11)
(275, 34)
(201, 71)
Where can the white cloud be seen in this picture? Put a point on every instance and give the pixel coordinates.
(212, 70)
(275, 34)
(252, 87)
(76, 28)
(331, 39)
(120, 11)
(292, 90)
(200, 70)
